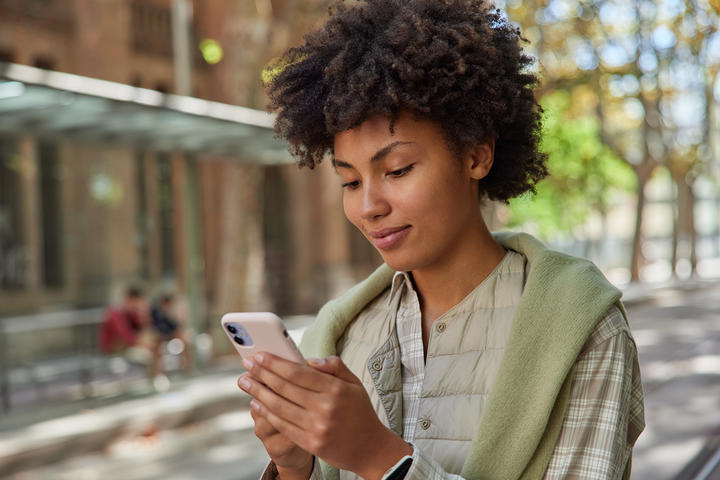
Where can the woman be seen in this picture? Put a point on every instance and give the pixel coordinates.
(467, 354)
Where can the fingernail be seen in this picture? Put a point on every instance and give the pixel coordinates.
(260, 358)
(247, 363)
(316, 361)
(254, 405)
(244, 382)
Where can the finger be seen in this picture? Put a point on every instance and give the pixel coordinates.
(298, 374)
(263, 428)
(275, 443)
(334, 366)
(240, 380)
(281, 386)
(274, 402)
(292, 432)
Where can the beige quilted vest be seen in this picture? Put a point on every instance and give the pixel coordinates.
(464, 353)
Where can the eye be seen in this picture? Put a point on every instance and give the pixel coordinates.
(351, 185)
(401, 172)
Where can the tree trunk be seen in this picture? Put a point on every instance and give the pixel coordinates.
(677, 228)
(690, 223)
(643, 172)
(684, 230)
(637, 237)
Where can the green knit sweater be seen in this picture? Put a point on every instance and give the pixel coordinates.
(563, 300)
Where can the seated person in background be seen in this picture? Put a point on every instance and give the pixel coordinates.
(168, 327)
(121, 331)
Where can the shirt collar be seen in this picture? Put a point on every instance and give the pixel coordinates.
(400, 280)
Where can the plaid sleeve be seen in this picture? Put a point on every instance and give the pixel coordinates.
(605, 411)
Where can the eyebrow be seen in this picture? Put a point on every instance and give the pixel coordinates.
(379, 155)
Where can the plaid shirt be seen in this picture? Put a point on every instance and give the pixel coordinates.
(605, 410)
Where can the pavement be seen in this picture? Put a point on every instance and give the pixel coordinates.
(55, 439)
(678, 338)
(34, 437)
(680, 363)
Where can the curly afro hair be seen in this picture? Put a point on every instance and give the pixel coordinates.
(457, 62)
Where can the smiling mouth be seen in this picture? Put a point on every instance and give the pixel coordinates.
(389, 237)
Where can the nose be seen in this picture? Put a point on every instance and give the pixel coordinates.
(374, 203)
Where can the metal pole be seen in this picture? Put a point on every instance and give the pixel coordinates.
(182, 15)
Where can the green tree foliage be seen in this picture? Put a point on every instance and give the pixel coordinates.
(642, 83)
(652, 67)
(584, 172)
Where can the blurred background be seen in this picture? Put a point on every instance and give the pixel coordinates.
(134, 151)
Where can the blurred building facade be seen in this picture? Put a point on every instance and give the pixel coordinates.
(79, 220)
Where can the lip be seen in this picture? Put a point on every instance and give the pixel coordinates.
(389, 237)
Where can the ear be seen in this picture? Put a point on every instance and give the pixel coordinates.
(480, 159)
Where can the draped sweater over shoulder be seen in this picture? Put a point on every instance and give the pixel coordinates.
(563, 300)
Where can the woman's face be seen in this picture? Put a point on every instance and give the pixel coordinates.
(410, 196)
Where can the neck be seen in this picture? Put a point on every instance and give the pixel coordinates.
(442, 286)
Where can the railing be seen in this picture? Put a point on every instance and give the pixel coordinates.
(706, 464)
(35, 349)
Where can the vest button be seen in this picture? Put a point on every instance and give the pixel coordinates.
(425, 424)
(440, 327)
(377, 365)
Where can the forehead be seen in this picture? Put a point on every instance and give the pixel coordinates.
(374, 133)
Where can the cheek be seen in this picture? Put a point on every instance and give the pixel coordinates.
(444, 203)
(437, 198)
(350, 210)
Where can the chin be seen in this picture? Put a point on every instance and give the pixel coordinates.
(397, 263)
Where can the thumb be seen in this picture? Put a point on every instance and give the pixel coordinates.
(334, 366)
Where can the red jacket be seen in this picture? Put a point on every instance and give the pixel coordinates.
(119, 329)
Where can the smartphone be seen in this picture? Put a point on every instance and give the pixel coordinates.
(253, 332)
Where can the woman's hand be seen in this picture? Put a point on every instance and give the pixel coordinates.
(290, 460)
(324, 410)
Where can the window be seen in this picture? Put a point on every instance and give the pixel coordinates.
(51, 14)
(7, 56)
(13, 253)
(52, 231)
(165, 215)
(151, 28)
(46, 63)
(136, 81)
(143, 219)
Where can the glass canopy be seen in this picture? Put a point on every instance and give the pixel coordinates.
(55, 105)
